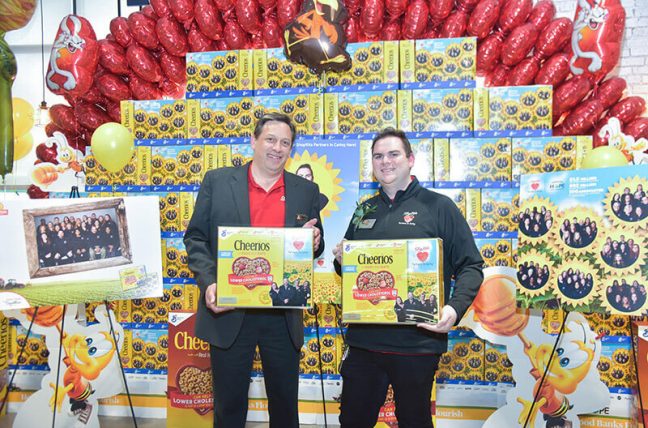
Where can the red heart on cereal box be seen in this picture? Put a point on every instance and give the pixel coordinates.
(321, 262)
(422, 255)
(535, 185)
(298, 245)
(194, 381)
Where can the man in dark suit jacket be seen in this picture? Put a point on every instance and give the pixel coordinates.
(259, 194)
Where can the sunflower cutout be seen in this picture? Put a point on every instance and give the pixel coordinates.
(622, 251)
(625, 295)
(534, 273)
(626, 202)
(536, 220)
(575, 282)
(577, 231)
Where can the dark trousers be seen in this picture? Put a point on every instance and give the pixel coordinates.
(366, 377)
(231, 372)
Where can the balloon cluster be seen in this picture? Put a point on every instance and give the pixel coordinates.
(519, 43)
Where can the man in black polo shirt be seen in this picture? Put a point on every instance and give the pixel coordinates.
(405, 356)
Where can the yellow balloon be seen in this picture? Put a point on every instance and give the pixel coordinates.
(112, 146)
(23, 116)
(22, 146)
(604, 157)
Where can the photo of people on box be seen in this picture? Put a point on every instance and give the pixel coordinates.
(291, 294)
(575, 284)
(535, 223)
(531, 276)
(631, 206)
(77, 237)
(626, 297)
(578, 233)
(413, 309)
(620, 254)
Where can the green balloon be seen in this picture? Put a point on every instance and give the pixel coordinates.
(604, 157)
(112, 146)
(8, 72)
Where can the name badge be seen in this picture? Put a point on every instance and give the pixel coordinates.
(367, 223)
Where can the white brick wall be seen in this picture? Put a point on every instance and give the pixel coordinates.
(633, 65)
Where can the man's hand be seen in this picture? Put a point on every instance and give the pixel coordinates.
(210, 300)
(316, 233)
(447, 320)
(337, 253)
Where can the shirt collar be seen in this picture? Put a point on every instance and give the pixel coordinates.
(409, 191)
(278, 184)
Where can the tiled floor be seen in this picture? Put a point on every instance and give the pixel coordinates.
(117, 422)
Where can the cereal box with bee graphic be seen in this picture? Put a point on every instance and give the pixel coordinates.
(375, 67)
(219, 74)
(176, 165)
(230, 118)
(275, 74)
(159, 119)
(265, 267)
(359, 113)
(305, 110)
(392, 282)
(436, 112)
(438, 63)
(514, 111)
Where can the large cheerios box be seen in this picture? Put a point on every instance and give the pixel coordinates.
(392, 282)
(189, 382)
(265, 267)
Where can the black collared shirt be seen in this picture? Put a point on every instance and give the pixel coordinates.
(419, 213)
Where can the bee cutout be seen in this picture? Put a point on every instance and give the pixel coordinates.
(316, 37)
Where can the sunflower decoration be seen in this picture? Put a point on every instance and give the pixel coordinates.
(577, 231)
(624, 295)
(534, 273)
(622, 251)
(575, 282)
(625, 203)
(536, 220)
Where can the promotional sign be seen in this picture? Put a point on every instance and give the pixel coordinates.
(265, 267)
(332, 164)
(572, 385)
(89, 367)
(583, 239)
(79, 250)
(392, 282)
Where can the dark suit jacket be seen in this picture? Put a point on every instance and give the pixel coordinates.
(223, 201)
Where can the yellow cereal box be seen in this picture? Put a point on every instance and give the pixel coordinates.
(265, 267)
(392, 282)
(218, 74)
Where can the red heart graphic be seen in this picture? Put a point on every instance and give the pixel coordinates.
(422, 255)
(408, 218)
(535, 186)
(320, 262)
(298, 244)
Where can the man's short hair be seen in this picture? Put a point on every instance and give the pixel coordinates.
(392, 132)
(275, 117)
